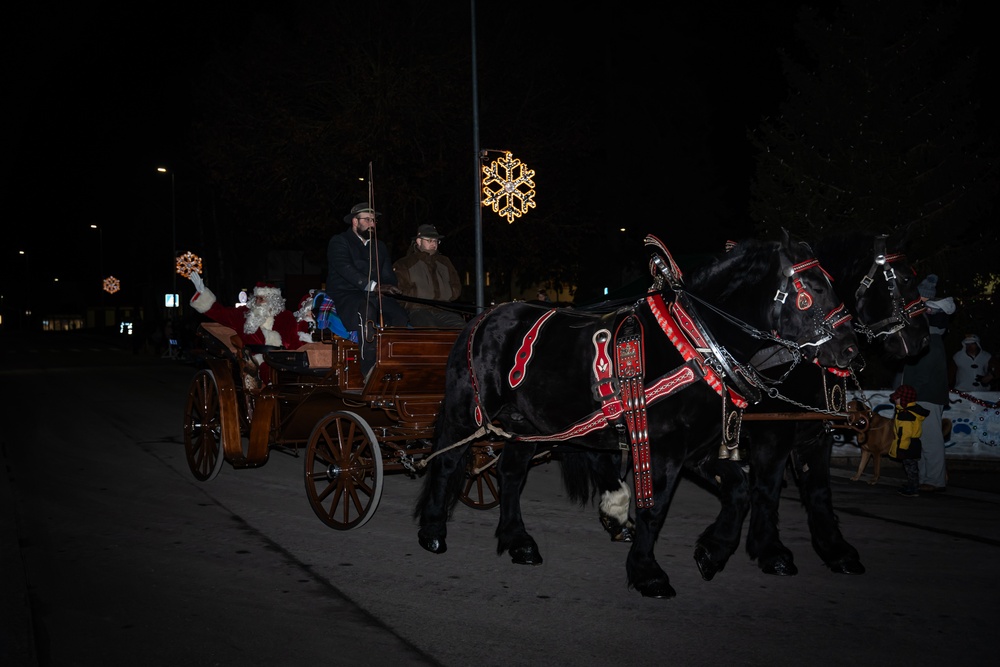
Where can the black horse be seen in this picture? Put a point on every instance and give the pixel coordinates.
(879, 288)
(666, 377)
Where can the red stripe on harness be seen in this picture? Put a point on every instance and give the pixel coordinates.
(682, 331)
(523, 356)
(605, 386)
(677, 331)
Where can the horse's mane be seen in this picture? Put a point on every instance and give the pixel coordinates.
(743, 267)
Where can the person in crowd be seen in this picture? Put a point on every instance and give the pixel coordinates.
(928, 375)
(171, 338)
(972, 368)
(542, 295)
(427, 274)
(361, 282)
(907, 429)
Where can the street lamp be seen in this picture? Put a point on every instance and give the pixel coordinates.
(173, 225)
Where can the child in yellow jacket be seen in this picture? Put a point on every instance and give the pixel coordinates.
(907, 428)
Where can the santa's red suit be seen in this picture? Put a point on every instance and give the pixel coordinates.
(255, 325)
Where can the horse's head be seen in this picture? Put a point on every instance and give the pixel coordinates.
(885, 302)
(807, 310)
(779, 289)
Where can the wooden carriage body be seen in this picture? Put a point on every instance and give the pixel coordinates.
(315, 399)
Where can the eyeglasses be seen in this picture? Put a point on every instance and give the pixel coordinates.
(424, 238)
(366, 219)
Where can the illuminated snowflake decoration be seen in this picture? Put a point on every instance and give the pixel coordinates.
(188, 263)
(111, 285)
(508, 188)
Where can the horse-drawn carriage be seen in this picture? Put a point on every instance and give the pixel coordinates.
(649, 380)
(316, 399)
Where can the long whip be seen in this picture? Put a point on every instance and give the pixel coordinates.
(378, 264)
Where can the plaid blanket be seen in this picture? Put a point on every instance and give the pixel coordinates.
(327, 318)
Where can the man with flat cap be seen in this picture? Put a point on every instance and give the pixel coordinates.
(427, 274)
(360, 280)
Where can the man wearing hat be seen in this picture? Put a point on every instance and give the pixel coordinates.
(928, 375)
(360, 280)
(427, 274)
(972, 367)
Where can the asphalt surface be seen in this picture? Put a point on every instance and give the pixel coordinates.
(113, 555)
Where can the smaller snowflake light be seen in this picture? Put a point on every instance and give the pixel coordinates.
(508, 188)
(188, 263)
(111, 285)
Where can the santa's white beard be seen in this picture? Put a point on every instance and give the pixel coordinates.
(261, 316)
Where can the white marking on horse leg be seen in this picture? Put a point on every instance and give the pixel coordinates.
(615, 503)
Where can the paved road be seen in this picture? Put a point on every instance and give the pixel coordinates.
(114, 555)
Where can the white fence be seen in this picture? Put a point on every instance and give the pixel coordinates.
(975, 425)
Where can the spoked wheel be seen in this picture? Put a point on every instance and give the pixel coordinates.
(203, 427)
(343, 471)
(482, 489)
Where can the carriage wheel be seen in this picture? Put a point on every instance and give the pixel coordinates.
(203, 427)
(343, 471)
(482, 489)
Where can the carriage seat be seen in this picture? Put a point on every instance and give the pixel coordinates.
(312, 358)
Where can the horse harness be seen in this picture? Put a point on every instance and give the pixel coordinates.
(619, 383)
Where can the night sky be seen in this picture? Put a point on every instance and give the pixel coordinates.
(101, 93)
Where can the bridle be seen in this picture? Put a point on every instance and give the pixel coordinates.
(823, 326)
(782, 350)
(901, 312)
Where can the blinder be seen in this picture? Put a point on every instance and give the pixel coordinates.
(823, 326)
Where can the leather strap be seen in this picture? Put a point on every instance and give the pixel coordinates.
(630, 367)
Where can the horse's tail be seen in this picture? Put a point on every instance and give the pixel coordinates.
(585, 473)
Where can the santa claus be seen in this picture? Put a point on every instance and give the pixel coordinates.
(264, 321)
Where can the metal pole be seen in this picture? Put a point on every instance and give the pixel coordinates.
(173, 229)
(480, 299)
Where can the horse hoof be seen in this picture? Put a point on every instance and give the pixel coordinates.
(436, 545)
(850, 566)
(526, 555)
(780, 567)
(707, 568)
(659, 589)
(617, 531)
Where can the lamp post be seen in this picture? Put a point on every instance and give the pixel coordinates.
(100, 266)
(173, 226)
(25, 312)
(100, 249)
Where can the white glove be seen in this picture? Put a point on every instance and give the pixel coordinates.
(199, 284)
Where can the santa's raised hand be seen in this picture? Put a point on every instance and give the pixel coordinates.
(199, 284)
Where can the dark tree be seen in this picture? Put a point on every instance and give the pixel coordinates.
(883, 129)
(295, 111)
